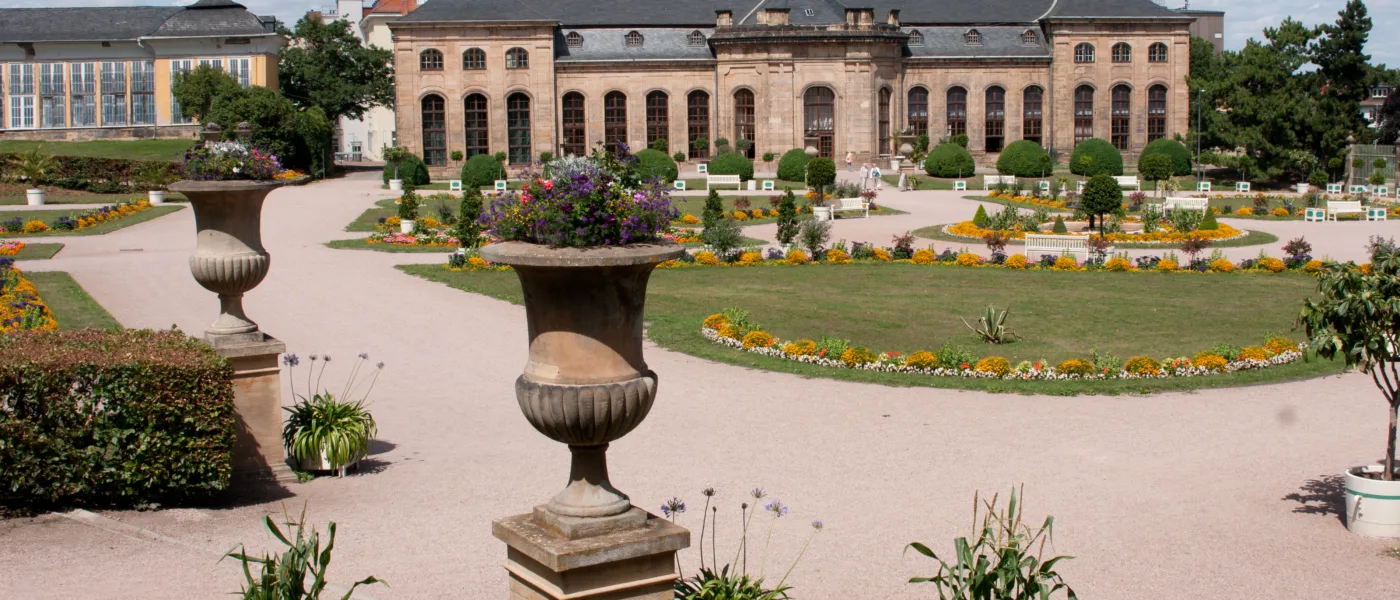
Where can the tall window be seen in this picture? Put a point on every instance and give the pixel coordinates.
(1120, 116)
(996, 119)
(1083, 113)
(1122, 53)
(614, 121)
(83, 86)
(518, 128)
(1157, 53)
(52, 99)
(820, 112)
(1084, 53)
(658, 118)
(474, 59)
(430, 60)
(143, 92)
(1156, 112)
(3, 119)
(957, 111)
(574, 39)
(918, 110)
(241, 69)
(698, 122)
(477, 125)
(434, 130)
(21, 96)
(744, 117)
(176, 68)
(575, 125)
(884, 124)
(634, 39)
(517, 58)
(1031, 113)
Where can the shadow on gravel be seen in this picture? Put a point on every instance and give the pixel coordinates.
(1321, 496)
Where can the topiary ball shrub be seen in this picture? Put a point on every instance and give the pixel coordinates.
(655, 163)
(1104, 159)
(1181, 157)
(793, 165)
(732, 163)
(949, 160)
(482, 169)
(411, 170)
(1024, 158)
(821, 172)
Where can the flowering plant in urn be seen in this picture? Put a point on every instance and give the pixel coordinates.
(230, 160)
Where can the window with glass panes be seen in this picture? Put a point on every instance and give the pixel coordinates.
(1120, 116)
(918, 110)
(957, 111)
(176, 68)
(83, 87)
(614, 121)
(1083, 113)
(698, 122)
(995, 125)
(575, 125)
(114, 93)
(434, 130)
(53, 99)
(658, 118)
(518, 128)
(1156, 112)
(22, 103)
(884, 121)
(477, 125)
(1031, 113)
(241, 69)
(744, 116)
(143, 92)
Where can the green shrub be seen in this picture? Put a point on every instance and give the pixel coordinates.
(1318, 179)
(787, 218)
(1059, 226)
(1208, 222)
(1179, 155)
(821, 172)
(713, 211)
(768, 157)
(678, 157)
(655, 163)
(112, 418)
(411, 170)
(1024, 158)
(1103, 159)
(1155, 168)
(467, 229)
(949, 160)
(1102, 196)
(482, 169)
(793, 165)
(110, 175)
(980, 219)
(732, 163)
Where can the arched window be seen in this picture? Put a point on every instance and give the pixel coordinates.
(1029, 38)
(744, 118)
(916, 38)
(634, 39)
(658, 119)
(614, 121)
(918, 110)
(477, 125)
(518, 128)
(434, 129)
(884, 116)
(1122, 53)
(1032, 113)
(1120, 116)
(957, 111)
(1083, 113)
(697, 38)
(1084, 53)
(517, 58)
(697, 120)
(996, 119)
(1157, 53)
(474, 59)
(575, 125)
(574, 39)
(1156, 112)
(972, 36)
(820, 112)
(430, 60)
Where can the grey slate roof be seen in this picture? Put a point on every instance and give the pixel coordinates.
(609, 44)
(90, 24)
(1114, 9)
(997, 41)
(230, 21)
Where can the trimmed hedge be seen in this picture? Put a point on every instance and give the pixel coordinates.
(793, 165)
(411, 170)
(1106, 159)
(655, 163)
(1181, 157)
(482, 169)
(1024, 158)
(949, 160)
(112, 418)
(106, 175)
(732, 163)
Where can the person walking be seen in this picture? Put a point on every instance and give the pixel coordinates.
(864, 174)
(850, 158)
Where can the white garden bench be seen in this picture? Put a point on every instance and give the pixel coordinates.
(1337, 207)
(679, 184)
(1045, 187)
(1334, 188)
(768, 185)
(1242, 187)
(1127, 180)
(733, 180)
(1073, 245)
(1380, 190)
(1314, 215)
(990, 180)
(849, 205)
(1171, 203)
(502, 186)
(1357, 189)
(1203, 186)
(455, 185)
(959, 186)
(1375, 213)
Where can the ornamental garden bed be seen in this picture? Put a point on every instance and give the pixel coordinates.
(71, 305)
(45, 223)
(967, 232)
(17, 250)
(759, 210)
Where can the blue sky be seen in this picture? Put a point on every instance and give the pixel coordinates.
(1243, 19)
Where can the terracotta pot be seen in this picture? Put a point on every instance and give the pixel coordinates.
(586, 383)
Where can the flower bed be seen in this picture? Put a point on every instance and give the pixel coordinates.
(21, 309)
(959, 362)
(1032, 200)
(80, 221)
(10, 247)
(1165, 236)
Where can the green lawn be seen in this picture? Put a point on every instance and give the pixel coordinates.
(72, 307)
(361, 244)
(906, 307)
(13, 195)
(166, 150)
(798, 187)
(1255, 238)
(36, 252)
(48, 216)
(445, 185)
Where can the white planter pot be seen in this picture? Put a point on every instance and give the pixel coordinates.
(1303, 188)
(35, 196)
(406, 226)
(156, 196)
(821, 213)
(786, 248)
(895, 162)
(1373, 506)
(319, 463)
(396, 185)
(753, 185)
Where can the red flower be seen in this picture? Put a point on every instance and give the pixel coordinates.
(549, 185)
(964, 365)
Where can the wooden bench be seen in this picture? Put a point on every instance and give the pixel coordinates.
(733, 180)
(990, 180)
(849, 205)
(1127, 180)
(1337, 207)
(1073, 245)
(1314, 214)
(1375, 213)
(1171, 203)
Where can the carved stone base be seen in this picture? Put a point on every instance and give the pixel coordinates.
(635, 563)
(258, 454)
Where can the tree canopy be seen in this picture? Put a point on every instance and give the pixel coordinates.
(326, 66)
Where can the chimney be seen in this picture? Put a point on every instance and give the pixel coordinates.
(860, 16)
(894, 17)
(724, 18)
(777, 16)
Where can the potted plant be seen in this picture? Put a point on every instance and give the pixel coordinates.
(34, 167)
(395, 155)
(408, 211)
(1356, 317)
(324, 432)
(584, 244)
(821, 172)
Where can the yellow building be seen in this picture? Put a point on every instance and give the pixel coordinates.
(106, 72)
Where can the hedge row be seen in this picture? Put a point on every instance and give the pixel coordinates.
(112, 418)
(107, 175)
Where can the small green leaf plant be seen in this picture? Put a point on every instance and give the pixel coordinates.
(299, 573)
(733, 581)
(320, 426)
(991, 327)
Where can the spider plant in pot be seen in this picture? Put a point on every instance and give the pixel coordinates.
(326, 432)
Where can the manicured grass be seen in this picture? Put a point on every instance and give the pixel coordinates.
(48, 216)
(798, 187)
(1254, 238)
(445, 185)
(747, 241)
(383, 209)
(166, 150)
(36, 252)
(61, 196)
(908, 307)
(72, 307)
(361, 244)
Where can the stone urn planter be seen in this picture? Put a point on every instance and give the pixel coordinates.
(396, 185)
(586, 383)
(34, 196)
(1372, 505)
(156, 197)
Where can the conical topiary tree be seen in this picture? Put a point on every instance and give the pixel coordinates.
(980, 219)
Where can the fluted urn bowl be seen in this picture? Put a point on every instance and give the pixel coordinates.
(586, 383)
(229, 258)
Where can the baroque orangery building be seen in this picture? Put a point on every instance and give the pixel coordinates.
(487, 76)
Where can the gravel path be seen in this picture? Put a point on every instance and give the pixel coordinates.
(1180, 495)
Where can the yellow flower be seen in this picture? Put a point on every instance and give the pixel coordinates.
(729, 330)
(749, 259)
(1254, 353)
(1221, 265)
(1245, 212)
(797, 257)
(968, 259)
(1118, 263)
(756, 213)
(430, 223)
(715, 321)
(837, 256)
(690, 219)
(1016, 261)
(740, 215)
(478, 262)
(35, 226)
(1209, 361)
(1142, 365)
(993, 364)
(1065, 263)
(1271, 264)
(1167, 265)
(391, 222)
(1075, 366)
(922, 359)
(1365, 267)
(1312, 266)
(923, 257)
(882, 254)
(757, 339)
(856, 356)
(1281, 212)
(800, 348)
(707, 258)
(1279, 345)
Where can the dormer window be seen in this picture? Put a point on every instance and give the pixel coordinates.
(634, 39)
(1028, 38)
(916, 38)
(972, 37)
(574, 39)
(697, 38)
(809, 12)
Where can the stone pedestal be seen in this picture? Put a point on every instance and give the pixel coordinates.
(636, 560)
(258, 454)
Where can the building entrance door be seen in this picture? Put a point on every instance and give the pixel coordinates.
(826, 145)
